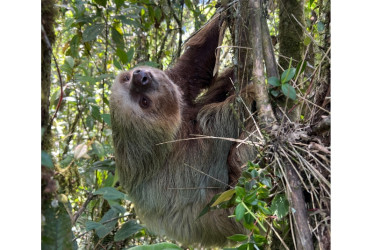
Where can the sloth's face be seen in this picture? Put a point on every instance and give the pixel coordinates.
(146, 93)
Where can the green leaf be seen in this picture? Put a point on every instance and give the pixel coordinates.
(46, 160)
(122, 56)
(307, 40)
(91, 32)
(70, 61)
(266, 181)
(98, 149)
(85, 79)
(265, 210)
(287, 75)
(108, 223)
(238, 237)
(289, 91)
(275, 92)
(320, 27)
(127, 229)
(274, 81)
(74, 46)
(239, 212)
(106, 118)
(95, 112)
(254, 173)
(259, 239)
(118, 39)
(118, 208)
(101, 2)
(280, 206)
(130, 54)
(117, 64)
(301, 67)
(159, 246)
(225, 196)
(56, 231)
(110, 193)
(92, 225)
(240, 191)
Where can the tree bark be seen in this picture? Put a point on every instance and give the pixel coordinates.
(48, 38)
(291, 36)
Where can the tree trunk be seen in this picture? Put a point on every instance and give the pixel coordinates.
(48, 38)
(291, 36)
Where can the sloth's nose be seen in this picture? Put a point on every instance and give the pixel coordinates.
(141, 79)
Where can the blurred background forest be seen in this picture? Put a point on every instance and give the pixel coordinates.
(85, 43)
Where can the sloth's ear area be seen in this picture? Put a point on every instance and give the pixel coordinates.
(193, 71)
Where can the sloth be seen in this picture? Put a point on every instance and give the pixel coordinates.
(170, 173)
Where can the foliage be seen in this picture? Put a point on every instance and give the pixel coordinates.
(94, 41)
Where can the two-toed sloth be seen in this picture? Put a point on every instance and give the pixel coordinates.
(170, 183)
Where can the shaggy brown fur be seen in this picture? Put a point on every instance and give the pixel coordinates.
(170, 183)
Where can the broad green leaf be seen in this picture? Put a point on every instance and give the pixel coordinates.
(118, 208)
(320, 27)
(289, 91)
(287, 75)
(225, 196)
(74, 46)
(108, 223)
(265, 210)
(259, 239)
(254, 173)
(127, 229)
(118, 39)
(56, 230)
(92, 225)
(280, 206)
(274, 81)
(251, 197)
(91, 32)
(98, 149)
(95, 112)
(238, 237)
(240, 191)
(239, 212)
(106, 118)
(122, 56)
(117, 64)
(130, 54)
(110, 193)
(47, 160)
(159, 246)
(70, 61)
(88, 79)
(266, 181)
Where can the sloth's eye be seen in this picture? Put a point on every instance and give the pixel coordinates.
(144, 102)
(126, 78)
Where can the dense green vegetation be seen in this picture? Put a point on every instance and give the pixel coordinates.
(83, 206)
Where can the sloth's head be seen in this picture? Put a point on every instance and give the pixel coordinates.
(146, 97)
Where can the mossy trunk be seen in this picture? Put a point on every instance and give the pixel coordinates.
(48, 14)
(290, 32)
(291, 38)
